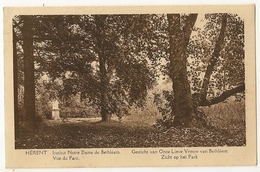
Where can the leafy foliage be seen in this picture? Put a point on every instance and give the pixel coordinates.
(229, 70)
(69, 49)
(119, 58)
(165, 105)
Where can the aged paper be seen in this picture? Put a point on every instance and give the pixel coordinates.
(19, 154)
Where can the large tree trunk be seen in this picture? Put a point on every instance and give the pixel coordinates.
(29, 84)
(183, 105)
(100, 35)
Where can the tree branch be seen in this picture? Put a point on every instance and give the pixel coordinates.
(188, 26)
(223, 96)
(213, 59)
(54, 34)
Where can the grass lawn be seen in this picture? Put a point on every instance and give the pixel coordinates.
(227, 121)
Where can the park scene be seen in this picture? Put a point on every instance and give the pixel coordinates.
(129, 80)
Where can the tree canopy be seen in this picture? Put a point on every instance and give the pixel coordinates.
(112, 61)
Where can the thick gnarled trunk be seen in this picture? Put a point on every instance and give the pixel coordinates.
(179, 38)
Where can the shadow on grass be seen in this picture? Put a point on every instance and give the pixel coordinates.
(98, 134)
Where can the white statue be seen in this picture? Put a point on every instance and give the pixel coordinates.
(55, 110)
(55, 104)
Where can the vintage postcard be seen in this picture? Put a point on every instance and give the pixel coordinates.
(136, 86)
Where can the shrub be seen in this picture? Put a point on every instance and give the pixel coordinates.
(164, 104)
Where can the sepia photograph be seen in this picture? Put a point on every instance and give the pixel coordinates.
(143, 80)
(160, 84)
